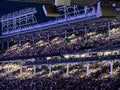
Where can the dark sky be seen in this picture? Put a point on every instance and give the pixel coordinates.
(9, 7)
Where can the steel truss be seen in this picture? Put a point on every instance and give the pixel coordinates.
(18, 20)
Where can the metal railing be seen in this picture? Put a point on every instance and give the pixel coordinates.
(75, 16)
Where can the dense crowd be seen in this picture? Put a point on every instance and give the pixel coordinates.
(72, 42)
(99, 77)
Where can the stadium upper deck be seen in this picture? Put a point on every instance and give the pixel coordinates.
(73, 34)
(24, 20)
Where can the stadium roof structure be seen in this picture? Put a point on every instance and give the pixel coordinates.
(72, 2)
(50, 6)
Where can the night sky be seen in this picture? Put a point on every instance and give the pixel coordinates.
(9, 7)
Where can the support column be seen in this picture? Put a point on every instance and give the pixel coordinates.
(109, 28)
(85, 33)
(34, 69)
(93, 10)
(85, 10)
(65, 34)
(11, 69)
(21, 70)
(2, 46)
(21, 65)
(75, 10)
(65, 12)
(87, 68)
(7, 45)
(8, 68)
(99, 10)
(33, 40)
(50, 70)
(67, 72)
(2, 65)
(111, 67)
(14, 24)
(19, 42)
(48, 38)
